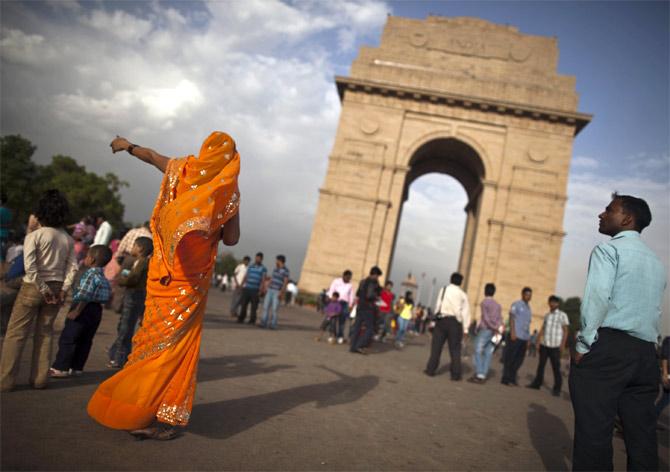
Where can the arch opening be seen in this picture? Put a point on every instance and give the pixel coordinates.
(457, 159)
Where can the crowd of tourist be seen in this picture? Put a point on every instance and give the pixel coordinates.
(84, 258)
(54, 258)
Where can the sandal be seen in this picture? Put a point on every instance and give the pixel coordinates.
(155, 432)
(58, 374)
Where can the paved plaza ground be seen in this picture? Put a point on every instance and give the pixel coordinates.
(278, 400)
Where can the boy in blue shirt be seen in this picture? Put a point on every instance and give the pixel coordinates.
(84, 316)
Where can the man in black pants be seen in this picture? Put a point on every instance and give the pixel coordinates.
(614, 370)
(366, 309)
(451, 325)
(551, 343)
(519, 334)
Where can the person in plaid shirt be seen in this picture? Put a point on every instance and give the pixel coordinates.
(551, 344)
(84, 316)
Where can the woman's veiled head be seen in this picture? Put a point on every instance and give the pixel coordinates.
(215, 153)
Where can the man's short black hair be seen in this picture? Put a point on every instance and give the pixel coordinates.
(101, 255)
(246, 258)
(637, 208)
(52, 209)
(375, 271)
(489, 289)
(554, 298)
(456, 278)
(281, 258)
(347, 273)
(259, 254)
(145, 244)
(526, 289)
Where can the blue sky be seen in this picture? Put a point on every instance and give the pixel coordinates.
(164, 74)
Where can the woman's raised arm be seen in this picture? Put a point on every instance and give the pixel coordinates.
(142, 153)
(230, 234)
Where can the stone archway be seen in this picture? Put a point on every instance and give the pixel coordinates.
(478, 101)
(453, 157)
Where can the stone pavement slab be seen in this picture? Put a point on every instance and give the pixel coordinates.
(278, 400)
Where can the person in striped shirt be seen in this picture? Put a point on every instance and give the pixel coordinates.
(275, 292)
(251, 287)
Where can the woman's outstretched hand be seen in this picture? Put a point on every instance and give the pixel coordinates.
(120, 144)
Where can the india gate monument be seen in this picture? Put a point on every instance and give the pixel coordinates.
(478, 101)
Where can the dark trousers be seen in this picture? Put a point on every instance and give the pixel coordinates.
(365, 320)
(76, 340)
(131, 311)
(619, 376)
(554, 356)
(447, 329)
(249, 295)
(514, 356)
(342, 319)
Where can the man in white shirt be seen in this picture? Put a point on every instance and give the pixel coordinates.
(237, 280)
(103, 234)
(453, 319)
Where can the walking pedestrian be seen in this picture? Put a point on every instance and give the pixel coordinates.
(489, 324)
(103, 233)
(366, 307)
(386, 308)
(452, 321)
(275, 292)
(519, 335)
(342, 285)
(251, 289)
(404, 318)
(615, 370)
(237, 281)
(552, 340)
(135, 283)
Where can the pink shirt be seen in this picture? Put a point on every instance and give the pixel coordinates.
(346, 290)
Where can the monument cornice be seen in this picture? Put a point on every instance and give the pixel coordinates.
(337, 193)
(531, 228)
(576, 119)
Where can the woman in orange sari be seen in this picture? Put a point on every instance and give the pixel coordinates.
(197, 206)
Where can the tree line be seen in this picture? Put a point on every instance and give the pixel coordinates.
(22, 181)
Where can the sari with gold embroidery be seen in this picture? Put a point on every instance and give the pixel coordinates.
(198, 196)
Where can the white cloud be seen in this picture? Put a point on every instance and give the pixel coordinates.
(165, 77)
(584, 162)
(118, 24)
(21, 48)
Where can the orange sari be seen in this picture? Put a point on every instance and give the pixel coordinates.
(197, 197)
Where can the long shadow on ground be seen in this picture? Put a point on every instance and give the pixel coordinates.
(244, 413)
(216, 368)
(550, 438)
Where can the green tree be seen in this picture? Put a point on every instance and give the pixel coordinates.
(226, 264)
(23, 182)
(87, 192)
(19, 177)
(572, 307)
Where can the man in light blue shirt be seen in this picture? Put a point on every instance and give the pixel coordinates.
(519, 334)
(614, 370)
